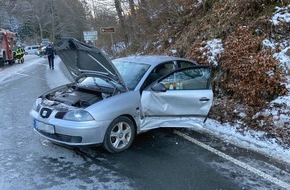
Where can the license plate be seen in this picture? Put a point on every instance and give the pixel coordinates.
(43, 127)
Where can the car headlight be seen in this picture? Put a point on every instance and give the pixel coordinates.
(36, 104)
(78, 115)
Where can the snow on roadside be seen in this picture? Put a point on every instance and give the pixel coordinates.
(279, 108)
(250, 139)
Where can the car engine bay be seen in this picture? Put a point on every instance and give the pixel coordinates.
(75, 96)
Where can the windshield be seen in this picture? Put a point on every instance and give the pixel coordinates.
(93, 81)
(98, 83)
(131, 72)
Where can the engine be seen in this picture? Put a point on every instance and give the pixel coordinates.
(77, 97)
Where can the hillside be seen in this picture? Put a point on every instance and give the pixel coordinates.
(247, 45)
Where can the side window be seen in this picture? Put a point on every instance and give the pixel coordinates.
(158, 72)
(164, 68)
(188, 79)
(185, 64)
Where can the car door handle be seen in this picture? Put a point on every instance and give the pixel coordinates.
(204, 99)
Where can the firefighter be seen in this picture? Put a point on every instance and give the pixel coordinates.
(20, 54)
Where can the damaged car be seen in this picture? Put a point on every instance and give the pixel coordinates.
(111, 101)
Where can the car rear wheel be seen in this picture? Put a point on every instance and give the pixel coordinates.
(120, 135)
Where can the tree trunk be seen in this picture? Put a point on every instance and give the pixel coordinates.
(121, 20)
(133, 18)
(53, 21)
(143, 8)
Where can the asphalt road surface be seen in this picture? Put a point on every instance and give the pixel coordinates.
(158, 159)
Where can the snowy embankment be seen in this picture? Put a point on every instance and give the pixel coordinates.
(251, 139)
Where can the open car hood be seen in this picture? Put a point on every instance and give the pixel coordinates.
(82, 60)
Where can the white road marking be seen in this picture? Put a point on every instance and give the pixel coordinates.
(235, 161)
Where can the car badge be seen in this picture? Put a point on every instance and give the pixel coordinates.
(44, 113)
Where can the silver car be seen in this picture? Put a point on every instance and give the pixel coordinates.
(112, 101)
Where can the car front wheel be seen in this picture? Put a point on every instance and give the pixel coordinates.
(120, 135)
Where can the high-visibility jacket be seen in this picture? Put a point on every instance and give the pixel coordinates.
(20, 51)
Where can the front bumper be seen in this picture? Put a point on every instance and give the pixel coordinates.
(70, 132)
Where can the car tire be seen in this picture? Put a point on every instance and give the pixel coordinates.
(2, 62)
(119, 135)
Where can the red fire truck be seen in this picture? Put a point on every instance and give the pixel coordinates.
(7, 46)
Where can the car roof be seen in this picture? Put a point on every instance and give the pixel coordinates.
(151, 59)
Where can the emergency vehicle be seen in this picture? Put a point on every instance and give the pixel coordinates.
(7, 46)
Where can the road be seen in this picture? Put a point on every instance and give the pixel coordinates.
(158, 159)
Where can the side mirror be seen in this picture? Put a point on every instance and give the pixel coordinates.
(158, 87)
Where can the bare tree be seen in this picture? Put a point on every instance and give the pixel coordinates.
(39, 16)
(121, 17)
(133, 18)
